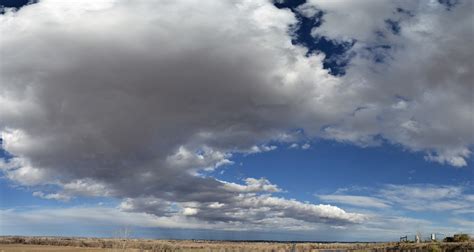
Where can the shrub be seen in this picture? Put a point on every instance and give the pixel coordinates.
(461, 237)
(434, 248)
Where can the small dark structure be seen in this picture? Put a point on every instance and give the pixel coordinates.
(404, 238)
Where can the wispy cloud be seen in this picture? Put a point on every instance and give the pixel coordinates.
(414, 197)
(427, 197)
(361, 201)
(463, 222)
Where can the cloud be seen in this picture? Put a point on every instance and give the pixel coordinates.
(55, 196)
(248, 210)
(39, 221)
(258, 149)
(414, 197)
(305, 146)
(361, 201)
(252, 185)
(427, 197)
(21, 171)
(139, 113)
(394, 210)
(88, 215)
(408, 82)
(463, 222)
(293, 146)
(86, 187)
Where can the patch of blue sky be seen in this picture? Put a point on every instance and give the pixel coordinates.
(337, 55)
(327, 166)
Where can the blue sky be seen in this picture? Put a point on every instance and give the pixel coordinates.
(286, 120)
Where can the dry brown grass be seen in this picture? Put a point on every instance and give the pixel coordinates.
(17, 244)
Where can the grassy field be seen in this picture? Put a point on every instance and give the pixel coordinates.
(30, 244)
(44, 248)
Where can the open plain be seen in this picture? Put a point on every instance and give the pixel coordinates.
(68, 244)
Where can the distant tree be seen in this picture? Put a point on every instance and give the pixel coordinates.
(448, 239)
(457, 238)
(122, 237)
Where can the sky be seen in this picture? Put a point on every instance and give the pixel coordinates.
(243, 119)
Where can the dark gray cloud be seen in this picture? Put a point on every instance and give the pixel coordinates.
(138, 113)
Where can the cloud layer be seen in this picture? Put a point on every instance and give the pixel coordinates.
(382, 218)
(413, 197)
(135, 100)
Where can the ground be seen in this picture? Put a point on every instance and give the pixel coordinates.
(67, 244)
